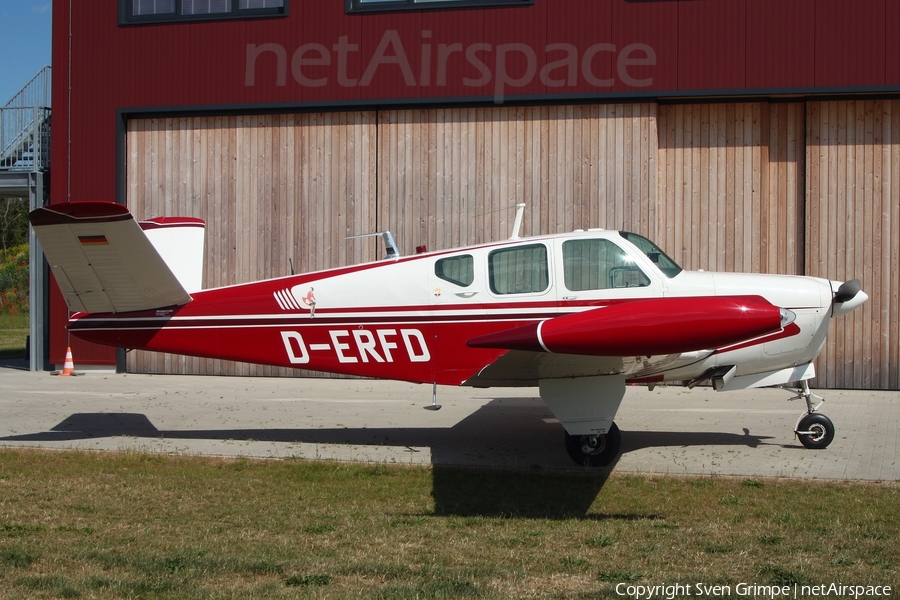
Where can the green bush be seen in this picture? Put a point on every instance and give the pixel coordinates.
(14, 280)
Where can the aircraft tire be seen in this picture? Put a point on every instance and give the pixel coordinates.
(604, 449)
(822, 431)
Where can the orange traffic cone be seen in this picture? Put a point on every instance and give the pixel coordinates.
(69, 366)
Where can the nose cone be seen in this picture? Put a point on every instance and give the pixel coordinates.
(847, 297)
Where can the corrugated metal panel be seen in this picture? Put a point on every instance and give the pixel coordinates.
(780, 44)
(583, 24)
(452, 32)
(850, 42)
(892, 43)
(711, 45)
(94, 87)
(512, 45)
(321, 23)
(656, 25)
(391, 63)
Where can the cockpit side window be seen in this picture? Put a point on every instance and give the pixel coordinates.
(519, 270)
(668, 266)
(599, 265)
(458, 270)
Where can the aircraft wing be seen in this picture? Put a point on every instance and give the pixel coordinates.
(520, 368)
(102, 260)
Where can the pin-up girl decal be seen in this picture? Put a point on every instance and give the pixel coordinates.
(310, 300)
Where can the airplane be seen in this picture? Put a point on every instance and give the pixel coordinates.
(579, 315)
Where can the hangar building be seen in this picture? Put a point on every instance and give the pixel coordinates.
(740, 135)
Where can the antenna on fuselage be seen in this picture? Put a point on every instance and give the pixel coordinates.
(390, 246)
(517, 224)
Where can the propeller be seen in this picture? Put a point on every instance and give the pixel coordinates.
(847, 291)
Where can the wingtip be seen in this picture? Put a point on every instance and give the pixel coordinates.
(88, 211)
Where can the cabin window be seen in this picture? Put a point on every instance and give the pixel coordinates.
(599, 265)
(355, 6)
(519, 270)
(158, 11)
(458, 270)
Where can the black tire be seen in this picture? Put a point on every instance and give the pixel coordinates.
(603, 449)
(821, 431)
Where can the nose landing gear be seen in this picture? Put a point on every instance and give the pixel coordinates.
(814, 430)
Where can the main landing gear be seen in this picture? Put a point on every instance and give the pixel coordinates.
(595, 450)
(814, 430)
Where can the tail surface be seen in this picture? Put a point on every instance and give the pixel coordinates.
(105, 261)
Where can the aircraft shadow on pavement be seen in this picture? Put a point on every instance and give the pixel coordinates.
(521, 469)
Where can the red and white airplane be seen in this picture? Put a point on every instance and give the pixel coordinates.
(579, 315)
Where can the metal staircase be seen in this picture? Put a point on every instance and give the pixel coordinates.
(25, 173)
(25, 127)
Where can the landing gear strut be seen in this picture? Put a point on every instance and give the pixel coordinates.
(595, 450)
(814, 430)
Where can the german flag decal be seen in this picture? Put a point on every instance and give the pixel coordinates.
(93, 240)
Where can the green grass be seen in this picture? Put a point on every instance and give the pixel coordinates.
(85, 525)
(13, 332)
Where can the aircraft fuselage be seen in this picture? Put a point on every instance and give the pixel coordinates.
(412, 318)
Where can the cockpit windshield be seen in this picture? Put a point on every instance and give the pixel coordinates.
(665, 264)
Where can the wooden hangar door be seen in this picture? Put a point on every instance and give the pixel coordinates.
(278, 186)
(273, 189)
(452, 177)
(805, 188)
(731, 186)
(853, 208)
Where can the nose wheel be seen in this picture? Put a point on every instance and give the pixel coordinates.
(814, 430)
(597, 450)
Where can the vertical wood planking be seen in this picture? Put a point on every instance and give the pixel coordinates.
(853, 221)
(793, 187)
(891, 213)
(257, 181)
(729, 185)
(573, 167)
(809, 189)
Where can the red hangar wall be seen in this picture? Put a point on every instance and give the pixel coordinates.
(748, 135)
